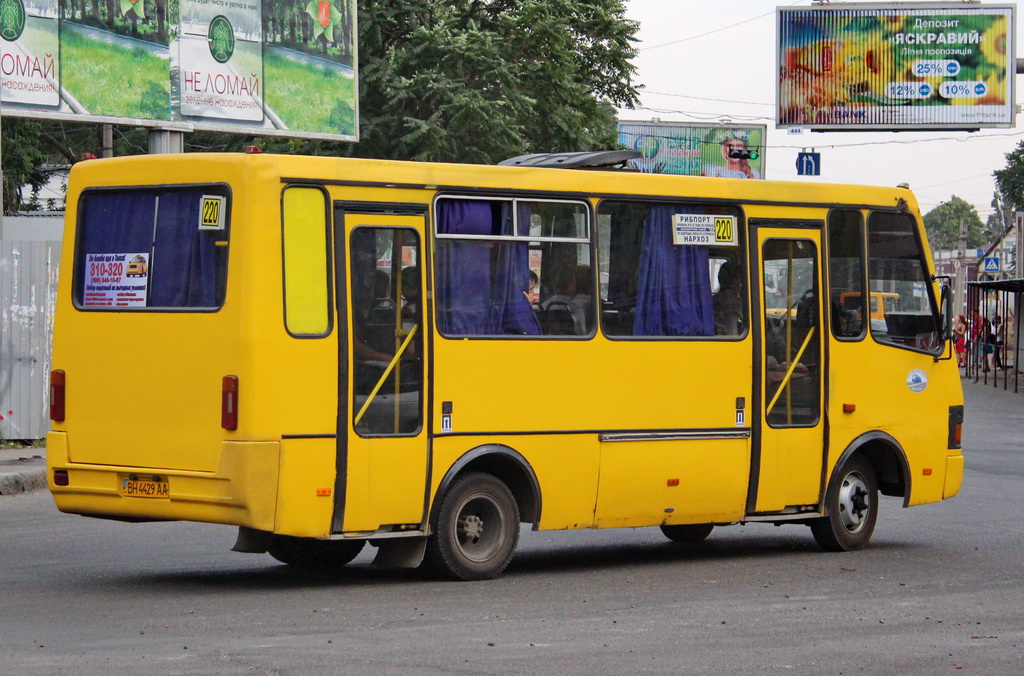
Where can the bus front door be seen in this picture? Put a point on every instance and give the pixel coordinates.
(382, 441)
(788, 434)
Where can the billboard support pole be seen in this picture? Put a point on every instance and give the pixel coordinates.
(106, 140)
(163, 141)
(3, 197)
(959, 300)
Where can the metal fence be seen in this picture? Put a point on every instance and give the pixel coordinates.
(28, 293)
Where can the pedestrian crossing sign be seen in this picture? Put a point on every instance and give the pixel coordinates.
(992, 264)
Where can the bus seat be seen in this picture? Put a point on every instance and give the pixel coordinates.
(557, 320)
(379, 328)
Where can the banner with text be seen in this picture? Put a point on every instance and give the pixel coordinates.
(272, 67)
(906, 67)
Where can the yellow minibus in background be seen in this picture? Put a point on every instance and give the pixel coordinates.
(327, 352)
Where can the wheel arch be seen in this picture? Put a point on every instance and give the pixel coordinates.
(887, 459)
(503, 463)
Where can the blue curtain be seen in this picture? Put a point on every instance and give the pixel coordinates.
(673, 282)
(511, 312)
(469, 302)
(117, 222)
(184, 257)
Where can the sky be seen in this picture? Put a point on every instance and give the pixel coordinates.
(714, 61)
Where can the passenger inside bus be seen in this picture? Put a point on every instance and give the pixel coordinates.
(371, 307)
(728, 300)
(410, 291)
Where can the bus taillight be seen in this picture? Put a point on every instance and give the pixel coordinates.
(956, 423)
(229, 403)
(57, 396)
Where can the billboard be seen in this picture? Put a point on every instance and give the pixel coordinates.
(270, 67)
(889, 66)
(729, 151)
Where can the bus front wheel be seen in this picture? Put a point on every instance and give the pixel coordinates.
(312, 553)
(687, 532)
(476, 531)
(852, 506)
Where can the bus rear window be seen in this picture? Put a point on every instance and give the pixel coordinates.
(152, 248)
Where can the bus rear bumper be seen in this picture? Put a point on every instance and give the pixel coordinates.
(242, 491)
(954, 476)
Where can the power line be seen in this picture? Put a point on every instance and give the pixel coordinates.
(905, 142)
(717, 30)
(702, 116)
(712, 32)
(705, 98)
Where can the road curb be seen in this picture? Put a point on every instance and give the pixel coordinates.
(27, 481)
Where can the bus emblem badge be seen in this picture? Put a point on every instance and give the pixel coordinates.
(917, 380)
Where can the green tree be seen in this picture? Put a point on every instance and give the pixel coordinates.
(481, 80)
(943, 224)
(1010, 179)
(1001, 218)
(23, 157)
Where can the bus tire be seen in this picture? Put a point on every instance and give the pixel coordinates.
(687, 533)
(852, 507)
(476, 530)
(314, 554)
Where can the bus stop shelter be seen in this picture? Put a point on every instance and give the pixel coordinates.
(990, 299)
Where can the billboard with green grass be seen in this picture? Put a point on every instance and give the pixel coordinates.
(272, 67)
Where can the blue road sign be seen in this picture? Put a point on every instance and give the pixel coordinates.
(992, 264)
(808, 164)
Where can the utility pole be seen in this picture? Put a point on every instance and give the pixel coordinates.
(959, 299)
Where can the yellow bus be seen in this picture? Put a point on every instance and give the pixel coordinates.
(328, 352)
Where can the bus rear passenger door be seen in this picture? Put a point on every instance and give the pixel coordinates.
(788, 430)
(382, 441)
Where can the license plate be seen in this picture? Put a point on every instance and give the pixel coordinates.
(136, 488)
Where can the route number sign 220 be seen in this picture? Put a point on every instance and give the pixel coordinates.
(211, 212)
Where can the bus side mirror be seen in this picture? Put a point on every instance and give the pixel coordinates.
(946, 307)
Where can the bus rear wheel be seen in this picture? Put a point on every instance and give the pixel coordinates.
(852, 506)
(314, 554)
(688, 532)
(476, 531)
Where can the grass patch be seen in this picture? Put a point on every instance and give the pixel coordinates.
(309, 99)
(110, 80)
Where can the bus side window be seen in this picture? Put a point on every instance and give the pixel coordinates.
(653, 285)
(846, 275)
(898, 274)
(488, 253)
(306, 263)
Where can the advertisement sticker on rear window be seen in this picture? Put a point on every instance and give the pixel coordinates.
(116, 280)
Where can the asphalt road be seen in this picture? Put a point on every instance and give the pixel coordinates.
(940, 590)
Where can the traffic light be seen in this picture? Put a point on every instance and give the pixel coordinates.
(743, 154)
